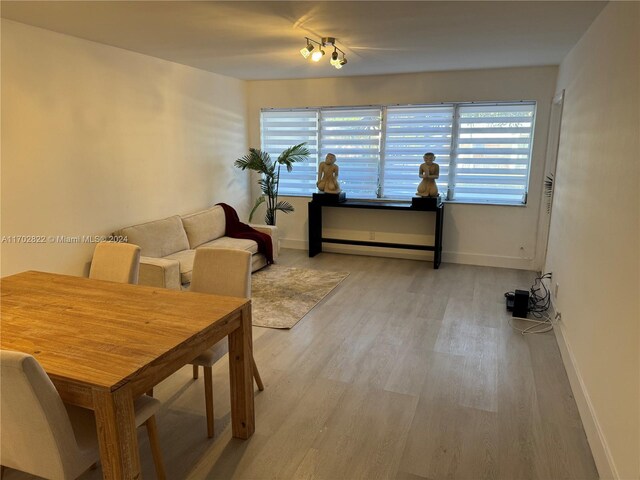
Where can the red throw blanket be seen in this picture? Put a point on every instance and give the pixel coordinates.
(236, 229)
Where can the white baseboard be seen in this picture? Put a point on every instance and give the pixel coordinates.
(295, 244)
(489, 260)
(449, 257)
(599, 447)
(361, 250)
(407, 254)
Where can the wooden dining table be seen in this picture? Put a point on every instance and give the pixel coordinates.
(103, 344)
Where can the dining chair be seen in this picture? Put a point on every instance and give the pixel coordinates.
(220, 271)
(43, 436)
(116, 262)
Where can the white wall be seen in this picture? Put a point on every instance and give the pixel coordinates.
(95, 138)
(476, 234)
(595, 236)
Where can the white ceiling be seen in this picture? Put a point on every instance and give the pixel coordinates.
(261, 40)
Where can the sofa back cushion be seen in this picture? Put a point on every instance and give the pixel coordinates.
(159, 238)
(204, 226)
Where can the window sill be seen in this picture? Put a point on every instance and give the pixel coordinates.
(403, 200)
(494, 204)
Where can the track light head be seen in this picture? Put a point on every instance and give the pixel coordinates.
(306, 51)
(334, 57)
(339, 63)
(317, 55)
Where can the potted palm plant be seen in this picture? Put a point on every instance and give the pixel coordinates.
(261, 162)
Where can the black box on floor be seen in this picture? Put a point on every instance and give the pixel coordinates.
(521, 303)
(426, 203)
(329, 198)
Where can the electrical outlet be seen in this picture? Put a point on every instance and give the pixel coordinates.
(372, 235)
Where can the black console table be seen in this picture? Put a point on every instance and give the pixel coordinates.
(315, 226)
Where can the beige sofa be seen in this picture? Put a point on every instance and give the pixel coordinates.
(168, 246)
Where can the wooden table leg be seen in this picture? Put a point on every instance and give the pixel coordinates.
(241, 378)
(115, 422)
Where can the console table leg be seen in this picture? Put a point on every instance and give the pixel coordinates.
(437, 253)
(315, 229)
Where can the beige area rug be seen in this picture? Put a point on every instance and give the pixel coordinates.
(281, 296)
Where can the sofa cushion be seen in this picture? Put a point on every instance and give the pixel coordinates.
(159, 238)
(233, 243)
(204, 226)
(185, 258)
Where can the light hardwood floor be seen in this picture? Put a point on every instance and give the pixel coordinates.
(403, 372)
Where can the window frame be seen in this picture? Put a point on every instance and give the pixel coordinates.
(383, 153)
(457, 124)
(323, 148)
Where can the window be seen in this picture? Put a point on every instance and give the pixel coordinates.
(411, 132)
(484, 150)
(493, 150)
(353, 135)
(283, 129)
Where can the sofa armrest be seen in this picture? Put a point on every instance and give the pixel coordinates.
(159, 272)
(272, 231)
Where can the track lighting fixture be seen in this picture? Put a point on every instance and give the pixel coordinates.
(317, 55)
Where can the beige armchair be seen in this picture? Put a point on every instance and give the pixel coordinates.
(43, 436)
(115, 262)
(220, 271)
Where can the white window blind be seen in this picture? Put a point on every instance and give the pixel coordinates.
(283, 129)
(353, 136)
(493, 153)
(483, 150)
(410, 132)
